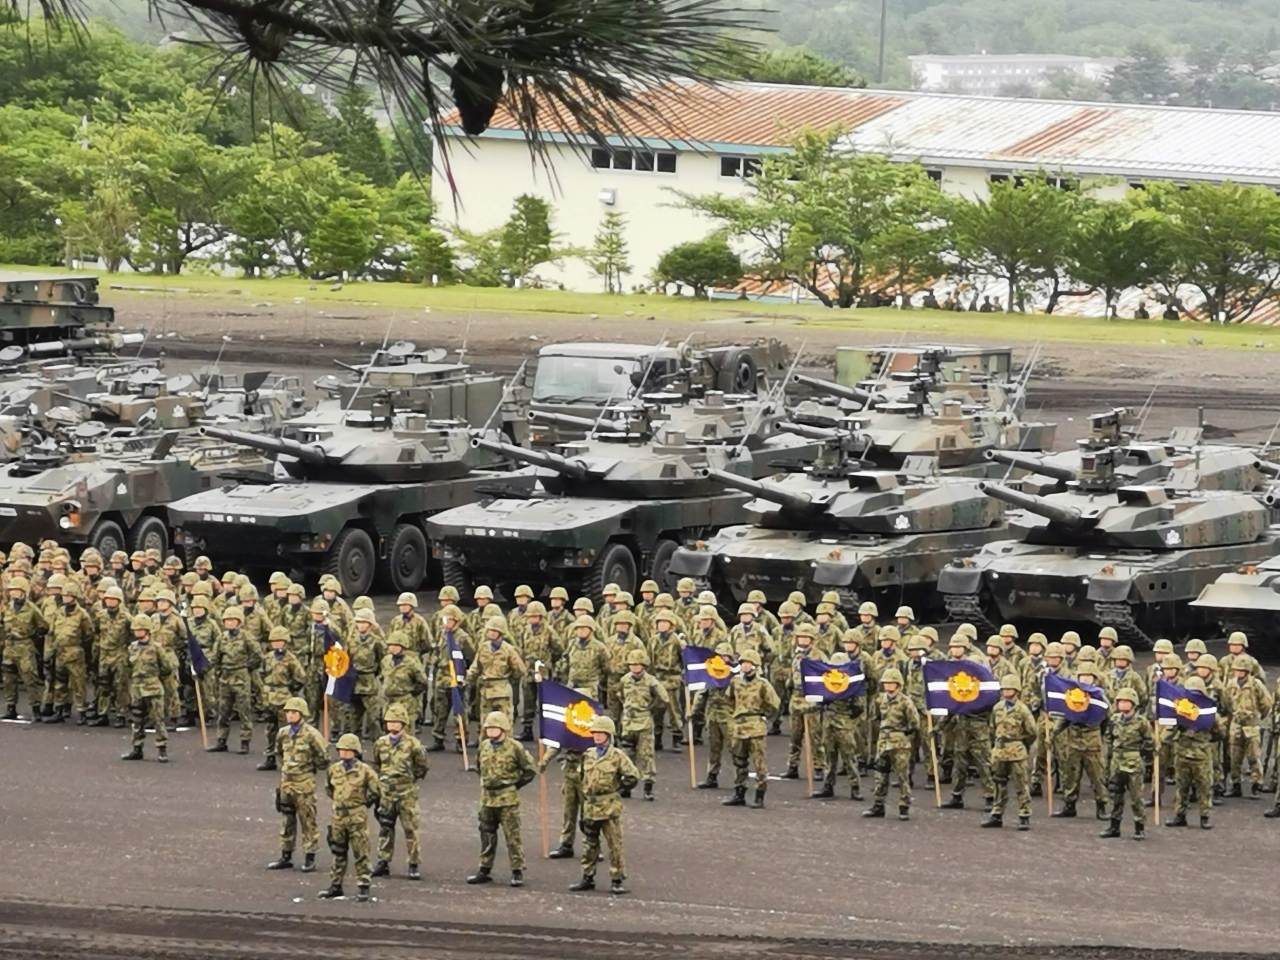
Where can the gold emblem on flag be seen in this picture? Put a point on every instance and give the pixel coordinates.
(716, 667)
(1076, 700)
(578, 717)
(1187, 710)
(336, 662)
(837, 681)
(963, 687)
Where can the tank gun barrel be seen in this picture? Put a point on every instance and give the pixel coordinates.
(80, 401)
(537, 458)
(1267, 467)
(1032, 464)
(1066, 516)
(112, 341)
(306, 452)
(825, 434)
(800, 502)
(834, 389)
(568, 420)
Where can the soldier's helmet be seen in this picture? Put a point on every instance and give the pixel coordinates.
(248, 592)
(1009, 630)
(1196, 684)
(584, 604)
(278, 578)
(481, 592)
(707, 598)
(1244, 662)
(1127, 693)
(1171, 661)
(1055, 649)
(349, 741)
(70, 588)
(868, 609)
(278, 633)
(396, 713)
(905, 612)
(1238, 637)
(665, 600)
(536, 608)
(362, 602)
(1108, 633)
(995, 641)
(806, 630)
(396, 639)
(610, 589)
(165, 594)
(113, 593)
(585, 620)
(1039, 638)
(1087, 653)
(451, 612)
(797, 597)
(202, 588)
(751, 655)
(851, 636)
(90, 556)
(624, 616)
(296, 590)
(55, 582)
(967, 630)
(664, 615)
(1122, 652)
(756, 596)
(142, 622)
(410, 598)
(297, 705)
(172, 563)
(1162, 647)
(1195, 645)
(498, 623)
(891, 675)
(788, 609)
(559, 593)
(1009, 682)
(320, 605)
(524, 590)
(917, 643)
(929, 632)
(839, 658)
(624, 598)
(1207, 660)
(234, 613)
(958, 639)
(1072, 638)
(706, 612)
(686, 585)
(448, 594)
(826, 608)
(365, 615)
(118, 557)
(748, 608)
(637, 656)
(832, 598)
(19, 583)
(889, 632)
(603, 724)
(649, 586)
(724, 649)
(498, 719)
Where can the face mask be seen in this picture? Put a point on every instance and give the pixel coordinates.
(348, 764)
(279, 654)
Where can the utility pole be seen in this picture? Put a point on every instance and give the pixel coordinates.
(884, 24)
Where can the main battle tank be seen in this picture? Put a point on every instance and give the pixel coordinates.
(613, 508)
(1128, 556)
(868, 535)
(351, 499)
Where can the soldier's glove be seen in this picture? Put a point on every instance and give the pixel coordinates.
(284, 804)
(629, 782)
(387, 816)
(542, 766)
(526, 777)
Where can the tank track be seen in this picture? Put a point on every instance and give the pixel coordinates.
(1120, 617)
(967, 608)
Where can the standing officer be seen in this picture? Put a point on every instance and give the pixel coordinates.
(150, 665)
(1131, 742)
(401, 763)
(353, 787)
(301, 753)
(497, 669)
(1193, 766)
(235, 657)
(607, 773)
(1015, 732)
(754, 703)
(22, 627)
(505, 766)
(642, 695)
(899, 726)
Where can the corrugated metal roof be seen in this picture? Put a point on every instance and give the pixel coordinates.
(994, 132)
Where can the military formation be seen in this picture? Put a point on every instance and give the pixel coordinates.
(137, 641)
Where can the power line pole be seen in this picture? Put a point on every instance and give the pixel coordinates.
(884, 23)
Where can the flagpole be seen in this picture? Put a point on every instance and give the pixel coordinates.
(462, 739)
(325, 710)
(1048, 763)
(204, 733)
(1155, 779)
(933, 752)
(542, 772)
(688, 719)
(808, 753)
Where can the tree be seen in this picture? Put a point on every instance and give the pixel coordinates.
(608, 254)
(431, 257)
(1115, 247)
(700, 264)
(355, 138)
(38, 171)
(480, 258)
(526, 239)
(345, 238)
(800, 67)
(102, 224)
(1144, 77)
(404, 212)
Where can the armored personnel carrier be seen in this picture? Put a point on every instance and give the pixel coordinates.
(1106, 551)
(1247, 598)
(351, 498)
(867, 534)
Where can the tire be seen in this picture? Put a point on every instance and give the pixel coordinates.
(616, 564)
(149, 533)
(455, 575)
(660, 559)
(738, 372)
(107, 538)
(406, 564)
(353, 561)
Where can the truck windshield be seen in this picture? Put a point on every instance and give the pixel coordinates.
(582, 379)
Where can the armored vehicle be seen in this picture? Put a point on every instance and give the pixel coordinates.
(351, 498)
(1108, 552)
(108, 488)
(612, 508)
(54, 315)
(1247, 598)
(867, 534)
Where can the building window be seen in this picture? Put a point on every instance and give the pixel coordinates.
(934, 175)
(643, 161)
(744, 167)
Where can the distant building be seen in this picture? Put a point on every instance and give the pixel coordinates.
(995, 73)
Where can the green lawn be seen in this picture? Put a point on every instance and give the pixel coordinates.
(917, 324)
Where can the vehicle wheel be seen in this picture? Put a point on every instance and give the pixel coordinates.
(352, 561)
(107, 538)
(738, 372)
(406, 563)
(149, 533)
(614, 565)
(455, 575)
(663, 551)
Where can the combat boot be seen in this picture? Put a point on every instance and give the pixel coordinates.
(101, 720)
(904, 813)
(586, 883)
(1235, 792)
(136, 754)
(437, 745)
(855, 791)
(697, 733)
(1177, 820)
(1112, 831)
(244, 747)
(1205, 824)
(1068, 811)
(876, 811)
(1100, 810)
(648, 790)
(1139, 831)
(414, 872)
(483, 875)
(284, 863)
(987, 804)
(739, 798)
(381, 869)
(793, 773)
(526, 733)
(309, 863)
(825, 792)
(711, 783)
(758, 802)
(657, 743)
(625, 793)
(1255, 791)
(82, 720)
(616, 887)
(53, 715)
(268, 762)
(10, 714)
(1037, 789)
(220, 746)
(954, 802)
(517, 878)
(334, 891)
(120, 723)
(162, 754)
(1024, 823)
(362, 893)
(992, 820)
(562, 852)
(1273, 813)
(775, 728)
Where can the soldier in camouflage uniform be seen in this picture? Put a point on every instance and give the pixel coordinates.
(619, 648)
(718, 714)
(642, 695)
(539, 644)
(206, 632)
(757, 599)
(708, 632)
(367, 653)
(353, 787)
(497, 669)
(1031, 671)
(665, 646)
(914, 687)
(404, 682)
(505, 766)
(1014, 730)
(1077, 750)
(899, 724)
(340, 615)
(1237, 648)
(451, 629)
(748, 633)
(969, 741)
(840, 728)
(401, 763)
(22, 630)
(1193, 766)
(483, 597)
(301, 753)
(1207, 671)
(235, 659)
(71, 635)
(1120, 673)
(113, 635)
(607, 775)
(754, 703)
(585, 663)
(282, 678)
(806, 717)
(781, 651)
(1248, 702)
(149, 664)
(1131, 745)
